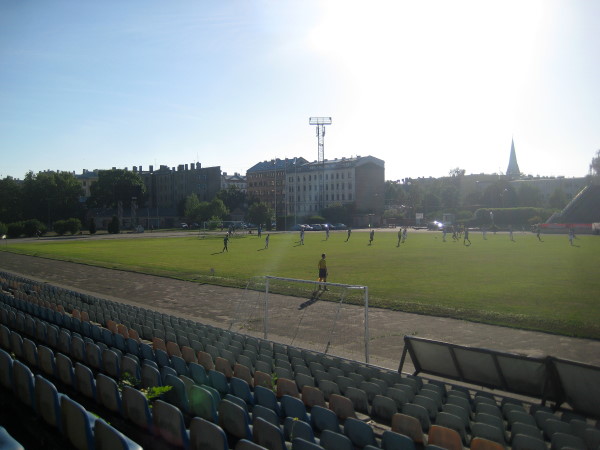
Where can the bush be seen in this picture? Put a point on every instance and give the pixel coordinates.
(510, 216)
(113, 226)
(32, 227)
(3, 229)
(92, 226)
(60, 227)
(15, 229)
(73, 225)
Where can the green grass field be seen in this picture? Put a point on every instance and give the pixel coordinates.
(547, 286)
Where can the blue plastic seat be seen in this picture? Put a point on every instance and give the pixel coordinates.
(177, 395)
(23, 384)
(136, 408)
(392, 441)
(234, 420)
(202, 404)
(266, 414)
(180, 365)
(111, 363)
(47, 401)
(77, 423)
(107, 437)
(324, 419)
(65, 371)
(86, 384)
(268, 435)
(241, 389)
(169, 424)
(198, 373)
(207, 435)
(267, 398)
(108, 394)
(218, 381)
(331, 440)
(293, 407)
(6, 370)
(7, 442)
(30, 353)
(165, 371)
(359, 432)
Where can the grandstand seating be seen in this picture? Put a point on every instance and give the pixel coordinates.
(64, 354)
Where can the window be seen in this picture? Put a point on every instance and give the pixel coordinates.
(342, 175)
(349, 196)
(309, 178)
(343, 197)
(337, 176)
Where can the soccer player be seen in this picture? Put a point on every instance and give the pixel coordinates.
(349, 233)
(371, 236)
(302, 236)
(327, 232)
(404, 231)
(267, 241)
(466, 236)
(444, 231)
(510, 233)
(571, 235)
(538, 232)
(400, 237)
(323, 271)
(225, 242)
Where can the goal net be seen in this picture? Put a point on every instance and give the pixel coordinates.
(326, 317)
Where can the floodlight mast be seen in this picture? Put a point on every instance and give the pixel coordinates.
(320, 122)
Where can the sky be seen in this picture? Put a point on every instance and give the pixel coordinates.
(426, 86)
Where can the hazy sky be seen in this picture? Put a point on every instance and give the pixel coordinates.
(424, 85)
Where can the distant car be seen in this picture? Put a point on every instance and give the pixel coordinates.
(184, 225)
(340, 226)
(307, 227)
(328, 226)
(316, 227)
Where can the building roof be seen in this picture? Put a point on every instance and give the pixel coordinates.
(276, 164)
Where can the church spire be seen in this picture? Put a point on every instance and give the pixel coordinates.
(513, 166)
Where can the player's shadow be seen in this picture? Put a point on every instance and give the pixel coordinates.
(314, 298)
(217, 253)
(298, 244)
(261, 249)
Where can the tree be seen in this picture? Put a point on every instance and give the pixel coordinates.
(192, 208)
(92, 226)
(595, 164)
(558, 199)
(394, 194)
(51, 195)
(117, 185)
(113, 226)
(500, 194)
(456, 172)
(10, 200)
(218, 209)
(232, 197)
(260, 213)
(529, 195)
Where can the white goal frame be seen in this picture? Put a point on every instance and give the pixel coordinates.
(365, 290)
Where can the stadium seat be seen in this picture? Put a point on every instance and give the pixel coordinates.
(169, 424)
(409, 426)
(177, 395)
(111, 363)
(65, 371)
(485, 444)
(445, 437)
(47, 401)
(391, 440)
(293, 407)
(453, 422)
(205, 435)
(6, 370)
(359, 399)
(399, 396)
(524, 442)
(241, 389)
(234, 420)
(268, 435)
(7, 442)
(266, 414)
(331, 440)
(77, 423)
(30, 353)
(293, 428)
(267, 398)
(23, 384)
(108, 394)
(383, 409)
(360, 433)
(324, 419)
(136, 408)
(108, 438)
(86, 384)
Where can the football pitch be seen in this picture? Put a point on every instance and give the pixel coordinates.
(549, 286)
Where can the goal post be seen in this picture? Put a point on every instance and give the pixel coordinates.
(320, 288)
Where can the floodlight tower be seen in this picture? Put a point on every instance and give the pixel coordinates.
(320, 122)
